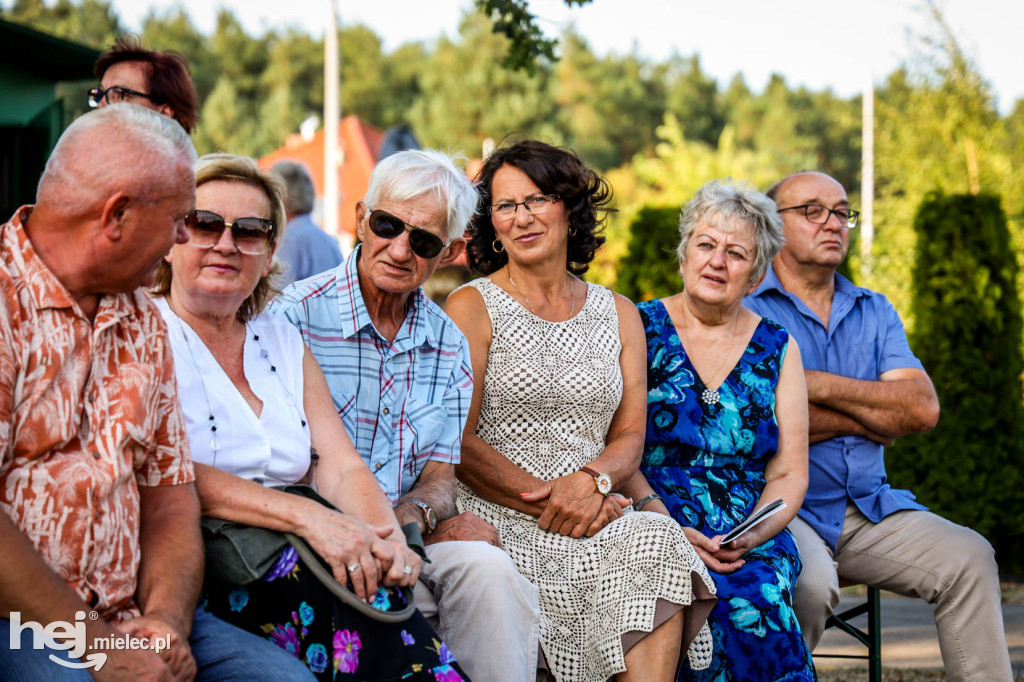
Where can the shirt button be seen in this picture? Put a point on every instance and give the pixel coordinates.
(378, 466)
(386, 411)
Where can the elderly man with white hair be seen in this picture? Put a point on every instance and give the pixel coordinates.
(400, 375)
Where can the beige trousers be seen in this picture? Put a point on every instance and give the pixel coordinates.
(483, 608)
(915, 554)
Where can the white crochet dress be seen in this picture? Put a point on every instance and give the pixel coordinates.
(549, 395)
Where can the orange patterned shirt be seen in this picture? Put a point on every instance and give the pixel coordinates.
(88, 413)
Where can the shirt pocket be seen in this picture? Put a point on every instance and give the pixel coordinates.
(421, 426)
(863, 364)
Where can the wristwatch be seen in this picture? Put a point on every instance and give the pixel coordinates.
(602, 481)
(429, 517)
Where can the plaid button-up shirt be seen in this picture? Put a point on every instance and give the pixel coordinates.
(403, 403)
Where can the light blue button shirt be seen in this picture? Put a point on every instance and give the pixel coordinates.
(864, 338)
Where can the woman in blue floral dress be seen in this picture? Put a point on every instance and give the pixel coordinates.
(727, 432)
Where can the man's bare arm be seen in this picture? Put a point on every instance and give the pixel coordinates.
(826, 423)
(171, 570)
(435, 487)
(901, 402)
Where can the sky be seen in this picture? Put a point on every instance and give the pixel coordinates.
(816, 43)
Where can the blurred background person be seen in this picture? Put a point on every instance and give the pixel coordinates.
(159, 81)
(305, 250)
(257, 408)
(556, 424)
(727, 431)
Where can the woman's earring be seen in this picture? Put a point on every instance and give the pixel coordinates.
(496, 245)
(572, 231)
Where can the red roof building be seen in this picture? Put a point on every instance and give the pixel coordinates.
(360, 146)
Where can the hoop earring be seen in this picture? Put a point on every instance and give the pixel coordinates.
(572, 231)
(497, 246)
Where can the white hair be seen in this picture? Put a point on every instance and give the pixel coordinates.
(412, 173)
(723, 202)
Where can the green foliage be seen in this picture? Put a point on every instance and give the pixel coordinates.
(526, 42)
(936, 128)
(967, 335)
(89, 22)
(650, 269)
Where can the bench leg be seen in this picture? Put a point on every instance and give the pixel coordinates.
(875, 634)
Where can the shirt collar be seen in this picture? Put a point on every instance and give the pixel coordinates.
(355, 317)
(771, 283)
(47, 292)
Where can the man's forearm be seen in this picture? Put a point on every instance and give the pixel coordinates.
(436, 491)
(889, 408)
(171, 570)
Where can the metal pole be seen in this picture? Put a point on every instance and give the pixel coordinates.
(867, 179)
(332, 115)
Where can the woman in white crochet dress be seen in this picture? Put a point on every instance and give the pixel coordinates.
(557, 423)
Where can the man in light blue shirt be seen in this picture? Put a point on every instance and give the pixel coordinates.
(865, 388)
(400, 375)
(305, 249)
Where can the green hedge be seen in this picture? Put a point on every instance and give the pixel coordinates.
(967, 333)
(650, 269)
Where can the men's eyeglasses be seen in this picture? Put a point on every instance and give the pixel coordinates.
(423, 243)
(252, 236)
(820, 215)
(113, 95)
(506, 210)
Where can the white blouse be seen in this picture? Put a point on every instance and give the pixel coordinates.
(272, 448)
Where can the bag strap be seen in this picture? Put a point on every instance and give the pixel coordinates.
(326, 577)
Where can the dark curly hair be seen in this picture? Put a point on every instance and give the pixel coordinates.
(555, 171)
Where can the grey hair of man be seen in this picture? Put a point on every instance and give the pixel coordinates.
(121, 147)
(414, 173)
(300, 197)
(725, 204)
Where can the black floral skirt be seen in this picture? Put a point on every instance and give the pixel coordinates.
(291, 608)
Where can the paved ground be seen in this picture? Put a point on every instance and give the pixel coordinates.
(909, 639)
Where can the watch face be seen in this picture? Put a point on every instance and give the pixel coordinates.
(431, 518)
(604, 484)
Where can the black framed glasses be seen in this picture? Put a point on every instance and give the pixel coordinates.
(252, 236)
(423, 243)
(113, 95)
(820, 215)
(506, 210)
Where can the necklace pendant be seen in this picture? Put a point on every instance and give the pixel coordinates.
(709, 397)
(214, 440)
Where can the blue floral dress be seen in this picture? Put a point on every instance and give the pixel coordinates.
(707, 461)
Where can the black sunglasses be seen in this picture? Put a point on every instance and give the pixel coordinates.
(114, 94)
(423, 243)
(252, 236)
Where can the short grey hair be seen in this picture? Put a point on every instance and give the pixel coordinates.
(727, 201)
(138, 145)
(301, 195)
(413, 173)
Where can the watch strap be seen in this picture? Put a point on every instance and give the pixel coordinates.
(588, 470)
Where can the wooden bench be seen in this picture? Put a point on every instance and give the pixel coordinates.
(871, 638)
